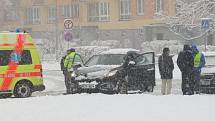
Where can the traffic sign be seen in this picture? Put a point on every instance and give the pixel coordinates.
(205, 23)
(68, 36)
(68, 24)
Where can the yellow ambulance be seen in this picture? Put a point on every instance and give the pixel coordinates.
(20, 66)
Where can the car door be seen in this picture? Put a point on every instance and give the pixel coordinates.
(144, 70)
(78, 60)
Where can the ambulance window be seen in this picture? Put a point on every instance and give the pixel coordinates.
(4, 57)
(26, 58)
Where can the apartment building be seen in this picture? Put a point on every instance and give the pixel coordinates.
(123, 20)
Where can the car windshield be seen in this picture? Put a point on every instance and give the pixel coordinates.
(107, 59)
(210, 60)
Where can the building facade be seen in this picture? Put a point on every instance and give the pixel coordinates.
(128, 21)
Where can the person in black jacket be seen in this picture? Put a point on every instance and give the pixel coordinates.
(185, 63)
(166, 67)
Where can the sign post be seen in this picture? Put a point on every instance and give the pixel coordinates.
(68, 25)
(205, 25)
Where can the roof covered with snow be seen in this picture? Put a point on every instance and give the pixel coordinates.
(211, 53)
(119, 51)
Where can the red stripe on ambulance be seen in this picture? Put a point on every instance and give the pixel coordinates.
(38, 67)
(13, 65)
(7, 44)
(28, 74)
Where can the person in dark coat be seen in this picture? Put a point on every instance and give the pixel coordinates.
(128, 58)
(166, 67)
(185, 63)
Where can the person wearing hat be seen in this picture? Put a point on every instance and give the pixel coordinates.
(68, 64)
(185, 63)
(199, 62)
(166, 68)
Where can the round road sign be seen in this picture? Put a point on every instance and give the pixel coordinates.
(68, 24)
(68, 36)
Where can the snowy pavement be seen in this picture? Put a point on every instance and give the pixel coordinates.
(52, 105)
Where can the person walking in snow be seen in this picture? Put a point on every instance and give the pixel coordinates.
(185, 62)
(199, 62)
(166, 68)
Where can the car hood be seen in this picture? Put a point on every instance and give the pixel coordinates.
(96, 71)
(208, 69)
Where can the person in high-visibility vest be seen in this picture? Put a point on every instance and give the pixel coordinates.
(68, 64)
(199, 62)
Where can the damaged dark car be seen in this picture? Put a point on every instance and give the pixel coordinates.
(106, 73)
(207, 81)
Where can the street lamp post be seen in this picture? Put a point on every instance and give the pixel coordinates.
(56, 30)
(205, 25)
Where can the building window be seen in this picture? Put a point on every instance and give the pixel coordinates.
(125, 9)
(104, 11)
(11, 15)
(32, 15)
(71, 11)
(140, 7)
(159, 6)
(52, 14)
(98, 11)
(38, 2)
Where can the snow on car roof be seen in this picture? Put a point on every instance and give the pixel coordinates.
(119, 51)
(209, 53)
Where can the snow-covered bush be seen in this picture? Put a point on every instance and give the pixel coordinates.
(87, 51)
(109, 43)
(158, 45)
(208, 48)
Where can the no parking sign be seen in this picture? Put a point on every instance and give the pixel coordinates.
(68, 24)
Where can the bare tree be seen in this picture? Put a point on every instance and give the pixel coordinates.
(4, 9)
(188, 17)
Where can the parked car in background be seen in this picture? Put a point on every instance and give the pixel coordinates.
(207, 82)
(104, 73)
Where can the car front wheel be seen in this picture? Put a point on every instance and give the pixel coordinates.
(73, 88)
(150, 88)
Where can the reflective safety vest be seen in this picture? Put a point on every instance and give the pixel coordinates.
(197, 59)
(69, 60)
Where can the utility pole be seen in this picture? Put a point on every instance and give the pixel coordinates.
(56, 30)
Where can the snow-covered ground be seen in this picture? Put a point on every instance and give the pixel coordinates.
(100, 107)
(52, 105)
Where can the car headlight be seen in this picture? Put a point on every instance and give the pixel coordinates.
(73, 74)
(111, 73)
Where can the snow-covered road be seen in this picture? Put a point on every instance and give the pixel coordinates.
(54, 82)
(52, 105)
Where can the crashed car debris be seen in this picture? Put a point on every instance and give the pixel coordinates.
(104, 73)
